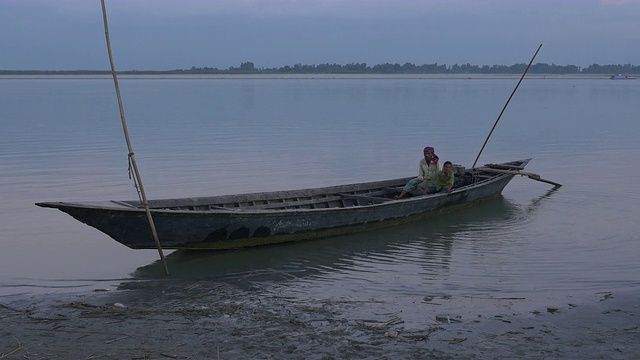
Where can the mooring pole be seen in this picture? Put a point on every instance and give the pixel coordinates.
(132, 158)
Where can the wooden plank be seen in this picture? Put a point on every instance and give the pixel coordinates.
(377, 200)
(124, 204)
(288, 204)
(504, 166)
(213, 207)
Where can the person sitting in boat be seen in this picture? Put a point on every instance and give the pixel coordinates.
(442, 181)
(427, 167)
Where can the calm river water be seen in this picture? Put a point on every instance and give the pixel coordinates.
(62, 140)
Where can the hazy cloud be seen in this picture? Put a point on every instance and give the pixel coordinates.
(169, 34)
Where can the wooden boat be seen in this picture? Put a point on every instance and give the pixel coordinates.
(235, 221)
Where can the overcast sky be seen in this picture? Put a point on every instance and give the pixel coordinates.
(179, 34)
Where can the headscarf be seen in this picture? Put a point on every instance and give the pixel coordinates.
(434, 158)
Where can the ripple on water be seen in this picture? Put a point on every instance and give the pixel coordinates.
(61, 142)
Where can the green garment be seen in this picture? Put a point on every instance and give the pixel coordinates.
(442, 181)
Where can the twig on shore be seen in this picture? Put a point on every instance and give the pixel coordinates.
(455, 340)
(633, 328)
(43, 319)
(15, 350)
(170, 356)
(493, 298)
(80, 305)
(9, 308)
(385, 325)
(94, 332)
(116, 339)
(16, 312)
(426, 336)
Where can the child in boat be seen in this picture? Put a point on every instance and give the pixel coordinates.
(442, 181)
(427, 167)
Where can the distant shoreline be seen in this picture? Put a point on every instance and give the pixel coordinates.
(305, 76)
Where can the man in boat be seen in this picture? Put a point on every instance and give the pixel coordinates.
(427, 167)
(442, 181)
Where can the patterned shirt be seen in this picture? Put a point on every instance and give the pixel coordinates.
(427, 171)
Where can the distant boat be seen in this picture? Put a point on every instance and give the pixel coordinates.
(234, 221)
(621, 77)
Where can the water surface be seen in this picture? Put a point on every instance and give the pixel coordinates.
(62, 141)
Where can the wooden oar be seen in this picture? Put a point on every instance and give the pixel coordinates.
(530, 175)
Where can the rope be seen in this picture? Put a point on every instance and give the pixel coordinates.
(134, 178)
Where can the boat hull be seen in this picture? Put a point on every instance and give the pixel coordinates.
(217, 227)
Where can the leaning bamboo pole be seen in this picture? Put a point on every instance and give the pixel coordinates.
(132, 158)
(505, 106)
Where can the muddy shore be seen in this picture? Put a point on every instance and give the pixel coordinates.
(207, 320)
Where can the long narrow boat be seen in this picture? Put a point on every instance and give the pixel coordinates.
(243, 220)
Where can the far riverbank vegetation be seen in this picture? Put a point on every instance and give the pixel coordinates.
(362, 68)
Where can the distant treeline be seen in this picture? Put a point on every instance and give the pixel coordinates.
(362, 68)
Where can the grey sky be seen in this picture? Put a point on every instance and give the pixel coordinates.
(172, 34)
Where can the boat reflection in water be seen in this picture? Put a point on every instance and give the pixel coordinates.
(425, 247)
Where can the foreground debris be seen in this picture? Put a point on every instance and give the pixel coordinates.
(207, 320)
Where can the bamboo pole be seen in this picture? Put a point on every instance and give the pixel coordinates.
(530, 175)
(505, 106)
(132, 157)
